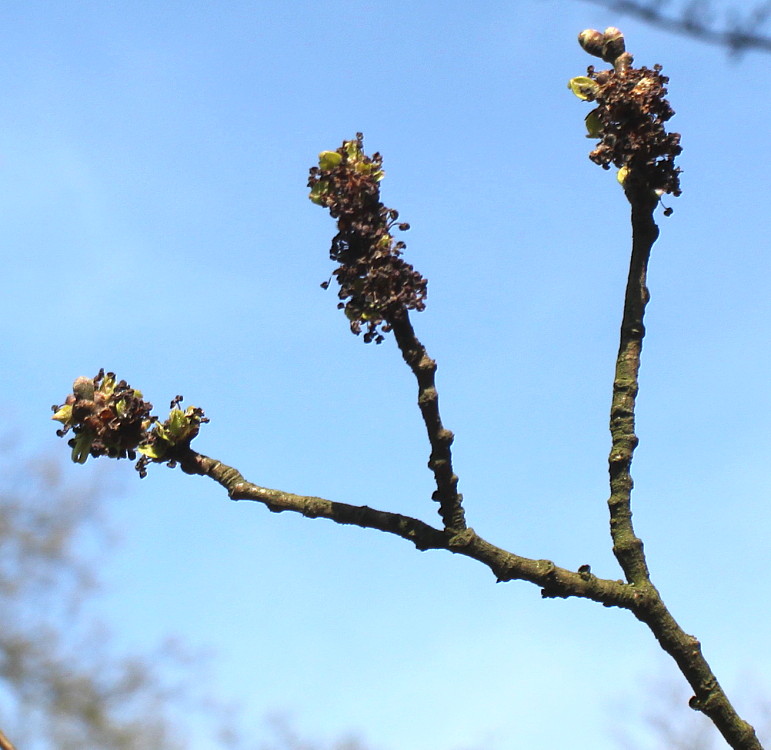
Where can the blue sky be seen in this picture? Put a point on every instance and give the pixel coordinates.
(153, 160)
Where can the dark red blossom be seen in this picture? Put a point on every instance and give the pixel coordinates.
(376, 285)
(632, 111)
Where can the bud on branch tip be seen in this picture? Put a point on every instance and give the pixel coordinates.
(629, 117)
(109, 418)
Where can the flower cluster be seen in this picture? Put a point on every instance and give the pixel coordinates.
(376, 285)
(163, 441)
(630, 115)
(110, 418)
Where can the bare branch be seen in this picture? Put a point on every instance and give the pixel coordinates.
(626, 545)
(641, 598)
(630, 123)
(424, 368)
(554, 581)
(709, 696)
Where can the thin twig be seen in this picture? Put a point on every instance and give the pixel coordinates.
(627, 548)
(649, 608)
(554, 581)
(5, 743)
(424, 368)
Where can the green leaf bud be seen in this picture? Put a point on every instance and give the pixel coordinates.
(352, 150)
(81, 446)
(64, 414)
(584, 88)
(329, 159)
(318, 191)
(593, 125)
(121, 408)
(107, 386)
(155, 451)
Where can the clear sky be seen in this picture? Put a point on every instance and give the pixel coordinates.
(153, 161)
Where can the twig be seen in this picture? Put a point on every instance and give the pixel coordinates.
(649, 608)
(378, 289)
(5, 743)
(440, 462)
(627, 548)
(641, 599)
(554, 581)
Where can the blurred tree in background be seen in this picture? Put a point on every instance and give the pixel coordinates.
(657, 717)
(62, 685)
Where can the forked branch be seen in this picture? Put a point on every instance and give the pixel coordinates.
(378, 289)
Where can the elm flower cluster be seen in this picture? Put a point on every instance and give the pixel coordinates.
(376, 285)
(630, 116)
(164, 440)
(110, 418)
(107, 418)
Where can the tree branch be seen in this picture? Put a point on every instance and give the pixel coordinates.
(554, 581)
(440, 462)
(709, 697)
(641, 599)
(377, 289)
(627, 548)
(648, 607)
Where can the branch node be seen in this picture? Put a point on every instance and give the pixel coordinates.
(462, 539)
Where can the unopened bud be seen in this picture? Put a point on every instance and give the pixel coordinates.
(613, 45)
(319, 192)
(83, 388)
(592, 41)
